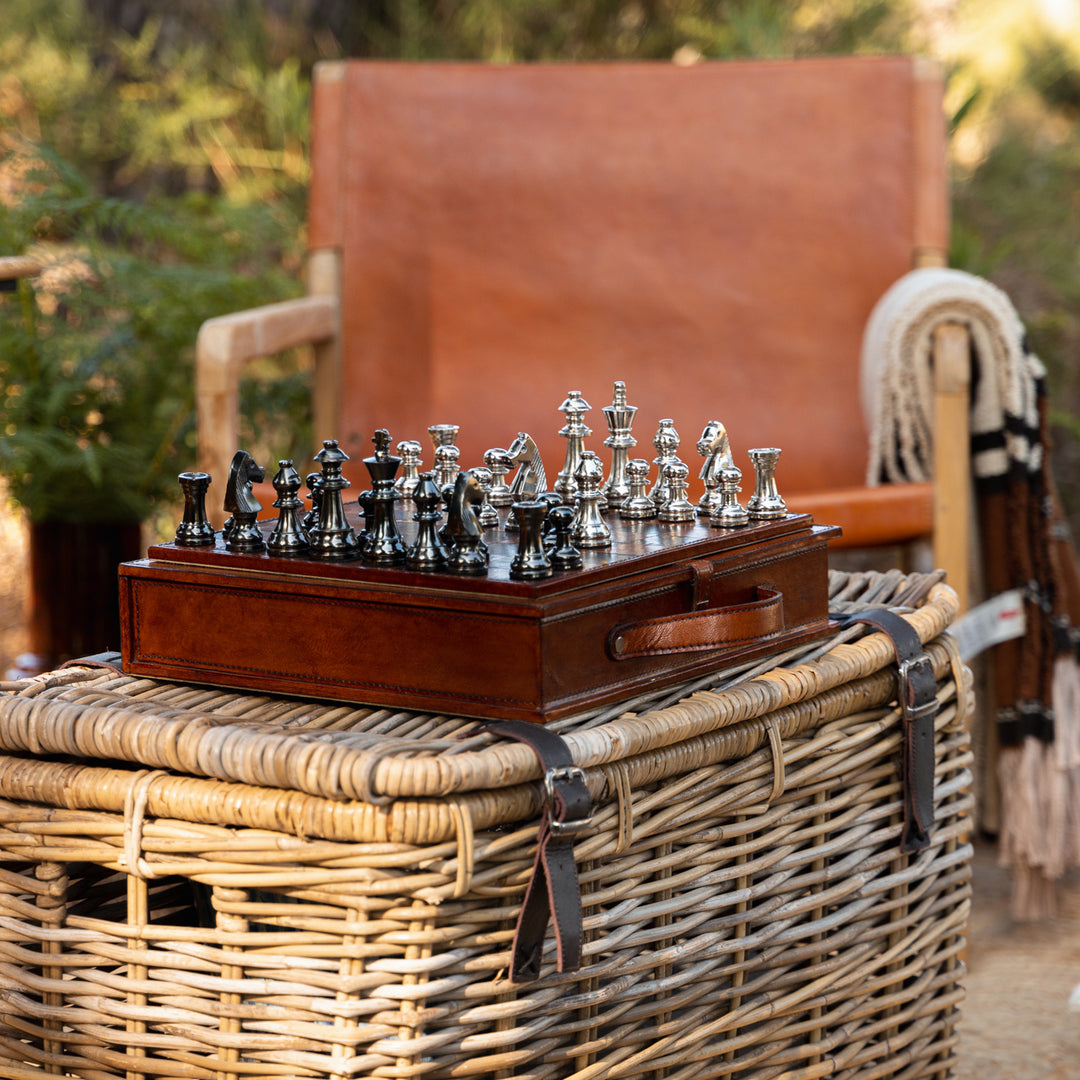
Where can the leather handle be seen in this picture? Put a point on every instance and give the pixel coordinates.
(700, 631)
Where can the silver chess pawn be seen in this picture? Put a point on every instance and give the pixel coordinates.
(678, 507)
(590, 530)
(714, 447)
(727, 511)
(447, 456)
(574, 431)
(410, 451)
(666, 440)
(619, 417)
(637, 506)
(500, 463)
(487, 515)
(766, 503)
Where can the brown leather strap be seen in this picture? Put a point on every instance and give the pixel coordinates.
(917, 697)
(553, 890)
(699, 631)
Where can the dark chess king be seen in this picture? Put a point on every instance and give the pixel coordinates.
(479, 591)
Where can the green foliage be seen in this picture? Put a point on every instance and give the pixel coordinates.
(96, 411)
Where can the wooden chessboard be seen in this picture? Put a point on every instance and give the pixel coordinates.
(490, 645)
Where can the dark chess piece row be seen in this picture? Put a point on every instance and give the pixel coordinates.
(545, 543)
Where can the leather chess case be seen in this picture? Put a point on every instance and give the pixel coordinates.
(664, 604)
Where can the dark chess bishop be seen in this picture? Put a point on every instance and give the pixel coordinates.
(480, 590)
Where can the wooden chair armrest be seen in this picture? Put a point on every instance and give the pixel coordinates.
(18, 266)
(228, 342)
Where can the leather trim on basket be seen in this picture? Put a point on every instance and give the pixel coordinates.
(554, 891)
(917, 696)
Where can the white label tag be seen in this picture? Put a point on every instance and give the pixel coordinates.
(997, 619)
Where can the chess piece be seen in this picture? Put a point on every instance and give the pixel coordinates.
(427, 551)
(574, 431)
(590, 530)
(766, 503)
(552, 500)
(499, 462)
(727, 512)
(443, 435)
(619, 417)
(288, 536)
(446, 465)
(195, 529)
(715, 448)
(531, 562)
(410, 451)
(487, 515)
(564, 555)
(678, 507)
(311, 518)
(637, 505)
(530, 477)
(241, 531)
(666, 440)
(466, 551)
(332, 537)
(381, 542)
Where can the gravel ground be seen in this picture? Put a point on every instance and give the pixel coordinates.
(1015, 1022)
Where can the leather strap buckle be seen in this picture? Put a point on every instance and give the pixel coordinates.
(560, 800)
(918, 687)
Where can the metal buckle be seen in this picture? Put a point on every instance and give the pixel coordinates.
(566, 774)
(920, 665)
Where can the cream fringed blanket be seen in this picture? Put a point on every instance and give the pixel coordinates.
(1036, 679)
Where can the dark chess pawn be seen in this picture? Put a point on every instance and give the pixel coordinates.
(637, 505)
(409, 451)
(382, 543)
(678, 507)
(531, 563)
(242, 531)
(195, 530)
(564, 556)
(590, 529)
(426, 551)
(467, 553)
(311, 518)
(288, 536)
(332, 537)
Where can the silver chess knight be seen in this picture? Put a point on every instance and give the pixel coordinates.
(619, 417)
(714, 447)
(766, 502)
(575, 431)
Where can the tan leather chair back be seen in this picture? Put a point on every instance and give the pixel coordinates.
(716, 236)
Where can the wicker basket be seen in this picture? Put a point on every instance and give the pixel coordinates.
(211, 885)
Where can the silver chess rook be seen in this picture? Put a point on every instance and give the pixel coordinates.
(765, 504)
